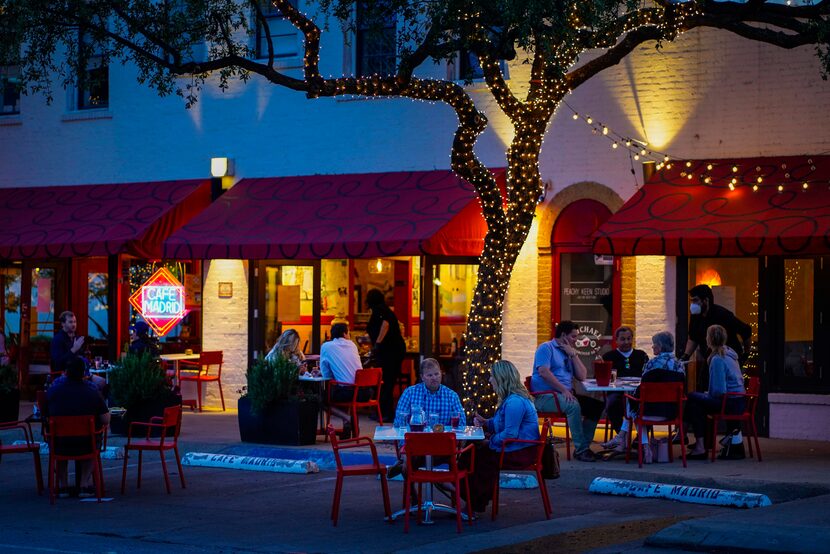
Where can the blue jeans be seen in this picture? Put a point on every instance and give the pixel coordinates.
(582, 428)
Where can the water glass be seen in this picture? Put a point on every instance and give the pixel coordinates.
(613, 376)
(401, 420)
(433, 420)
(98, 361)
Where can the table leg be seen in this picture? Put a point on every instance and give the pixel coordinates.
(428, 505)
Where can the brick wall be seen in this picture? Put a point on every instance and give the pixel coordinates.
(226, 325)
(519, 336)
(655, 297)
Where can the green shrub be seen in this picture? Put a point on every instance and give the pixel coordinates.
(139, 378)
(271, 381)
(8, 378)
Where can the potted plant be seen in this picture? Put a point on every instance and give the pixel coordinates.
(273, 408)
(139, 385)
(9, 393)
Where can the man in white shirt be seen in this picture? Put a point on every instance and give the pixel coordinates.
(340, 361)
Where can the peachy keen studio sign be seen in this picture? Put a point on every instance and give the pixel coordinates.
(160, 300)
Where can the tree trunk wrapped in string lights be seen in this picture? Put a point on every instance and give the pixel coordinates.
(160, 39)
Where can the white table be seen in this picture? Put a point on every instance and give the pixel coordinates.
(175, 359)
(389, 433)
(622, 384)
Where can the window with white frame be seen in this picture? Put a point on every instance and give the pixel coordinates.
(92, 87)
(284, 37)
(10, 85)
(375, 43)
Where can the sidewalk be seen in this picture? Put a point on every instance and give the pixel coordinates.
(238, 511)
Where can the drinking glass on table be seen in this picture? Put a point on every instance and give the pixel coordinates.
(613, 376)
(98, 361)
(433, 420)
(455, 420)
(401, 420)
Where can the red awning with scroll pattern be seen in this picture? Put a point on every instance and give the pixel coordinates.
(678, 213)
(96, 220)
(338, 216)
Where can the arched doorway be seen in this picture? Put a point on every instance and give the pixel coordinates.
(586, 288)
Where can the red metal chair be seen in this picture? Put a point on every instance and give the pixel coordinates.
(555, 417)
(665, 393)
(30, 446)
(420, 445)
(81, 427)
(170, 424)
(375, 468)
(368, 378)
(753, 391)
(535, 466)
(200, 372)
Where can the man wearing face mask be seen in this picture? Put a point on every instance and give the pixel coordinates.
(704, 314)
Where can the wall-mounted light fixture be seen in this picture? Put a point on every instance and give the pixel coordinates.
(221, 167)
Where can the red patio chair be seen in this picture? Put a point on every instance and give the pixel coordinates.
(200, 372)
(82, 427)
(375, 468)
(30, 446)
(666, 393)
(752, 393)
(368, 378)
(535, 466)
(557, 416)
(420, 445)
(170, 425)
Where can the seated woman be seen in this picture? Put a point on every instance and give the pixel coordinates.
(724, 376)
(515, 418)
(289, 346)
(664, 367)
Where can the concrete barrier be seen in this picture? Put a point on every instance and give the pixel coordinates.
(681, 493)
(249, 463)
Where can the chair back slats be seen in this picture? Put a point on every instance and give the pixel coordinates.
(369, 377)
(661, 392)
(435, 444)
(543, 438)
(210, 359)
(172, 420)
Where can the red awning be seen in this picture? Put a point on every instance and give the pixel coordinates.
(96, 220)
(337, 216)
(679, 213)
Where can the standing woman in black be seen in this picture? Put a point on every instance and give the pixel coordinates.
(388, 347)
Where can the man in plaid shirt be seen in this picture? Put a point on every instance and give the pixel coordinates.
(430, 395)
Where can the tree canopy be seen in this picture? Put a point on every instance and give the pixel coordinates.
(165, 39)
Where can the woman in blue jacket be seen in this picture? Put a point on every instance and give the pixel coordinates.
(724, 376)
(515, 418)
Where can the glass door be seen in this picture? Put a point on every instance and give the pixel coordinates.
(10, 285)
(289, 298)
(44, 290)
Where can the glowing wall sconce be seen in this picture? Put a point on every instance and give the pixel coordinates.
(221, 167)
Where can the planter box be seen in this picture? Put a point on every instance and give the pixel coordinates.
(293, 422)
(143, 412)
(9, 405)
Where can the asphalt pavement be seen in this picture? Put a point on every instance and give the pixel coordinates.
(224, 510)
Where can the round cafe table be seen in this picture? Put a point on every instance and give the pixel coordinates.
(389, 433)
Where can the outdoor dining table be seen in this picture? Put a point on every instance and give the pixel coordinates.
(390, 433)
(622, 384)
(176, 358)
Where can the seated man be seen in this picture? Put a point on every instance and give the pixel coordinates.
(432, 397)
(629, 362)
(74, 397)
(555, 366)
(340, 361)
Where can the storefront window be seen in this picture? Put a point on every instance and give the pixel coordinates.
(10, 280)
(42, 314)
(289, 302)
(97, 309)
(335, 289)
(734, 283)
(454, 287)
(798, 318)
(586, 299)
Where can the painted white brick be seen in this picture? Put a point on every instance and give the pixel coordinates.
(520, 314)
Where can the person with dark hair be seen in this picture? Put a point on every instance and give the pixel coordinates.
(73, 396)
(629, 362)
(340, 361)
(724, 376)
(388, 347)
(65, 345)
(555, 366)
(141, 341)
(705, 313)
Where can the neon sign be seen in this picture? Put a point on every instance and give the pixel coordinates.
(160, 300)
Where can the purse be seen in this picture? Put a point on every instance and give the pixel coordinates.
(550, 461)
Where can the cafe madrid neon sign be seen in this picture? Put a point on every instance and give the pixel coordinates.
(160, 300)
